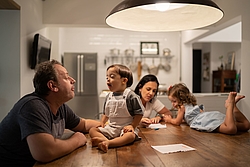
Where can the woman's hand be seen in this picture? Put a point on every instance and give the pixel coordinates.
(155, 120)
(145, 122)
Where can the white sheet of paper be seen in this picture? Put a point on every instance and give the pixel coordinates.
(172, 148)
(157, 126)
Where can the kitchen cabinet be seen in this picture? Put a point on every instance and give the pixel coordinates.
(223, 80)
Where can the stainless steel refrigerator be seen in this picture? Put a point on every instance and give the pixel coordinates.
(83, 68)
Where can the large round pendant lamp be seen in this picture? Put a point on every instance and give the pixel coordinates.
(163, 15)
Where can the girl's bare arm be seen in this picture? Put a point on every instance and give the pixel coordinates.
(178, 119)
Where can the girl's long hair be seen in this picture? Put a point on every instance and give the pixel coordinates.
(182, 93)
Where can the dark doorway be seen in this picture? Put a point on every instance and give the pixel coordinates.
(197, 54)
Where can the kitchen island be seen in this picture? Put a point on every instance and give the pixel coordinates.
(211, 101)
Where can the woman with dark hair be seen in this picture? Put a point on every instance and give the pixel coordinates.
(147, 89)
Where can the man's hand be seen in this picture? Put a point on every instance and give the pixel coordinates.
(82, 140)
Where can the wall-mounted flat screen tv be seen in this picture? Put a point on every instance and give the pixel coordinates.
(40, 51)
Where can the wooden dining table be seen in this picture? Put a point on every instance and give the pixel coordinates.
(211, 149)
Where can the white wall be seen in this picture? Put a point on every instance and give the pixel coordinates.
(245, 59)
(216, 49)
(16, 37)
(31, 23)
(101, 40)
(73, 40)
(234, 9)
(206, 86)
(187, 65)
(10, 59)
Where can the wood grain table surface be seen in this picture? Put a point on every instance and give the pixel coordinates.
(212, 149)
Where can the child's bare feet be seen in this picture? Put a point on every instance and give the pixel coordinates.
(238, 98)
(230, 99)
(103, 146)
(96, 140)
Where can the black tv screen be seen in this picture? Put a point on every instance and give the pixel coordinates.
(41, 50)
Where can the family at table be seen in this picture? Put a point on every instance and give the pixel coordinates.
(32, 130)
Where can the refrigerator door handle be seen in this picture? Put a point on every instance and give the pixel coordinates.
(78, 73)
(82, 73)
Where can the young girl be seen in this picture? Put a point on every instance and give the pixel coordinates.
(185, 102)
(147, 89)
(123, 109)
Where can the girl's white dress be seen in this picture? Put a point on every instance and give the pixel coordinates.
(203, 121)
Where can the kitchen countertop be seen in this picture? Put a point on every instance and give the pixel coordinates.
(104, 93)
(211, 101)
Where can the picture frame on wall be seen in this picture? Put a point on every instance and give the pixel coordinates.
(230, 60)
(149, 48)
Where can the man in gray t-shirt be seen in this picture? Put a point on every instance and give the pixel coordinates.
(32, 129)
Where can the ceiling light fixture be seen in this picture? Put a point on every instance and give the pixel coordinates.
(163, 15)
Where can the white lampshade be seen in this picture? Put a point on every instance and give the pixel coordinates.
(163, 15)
